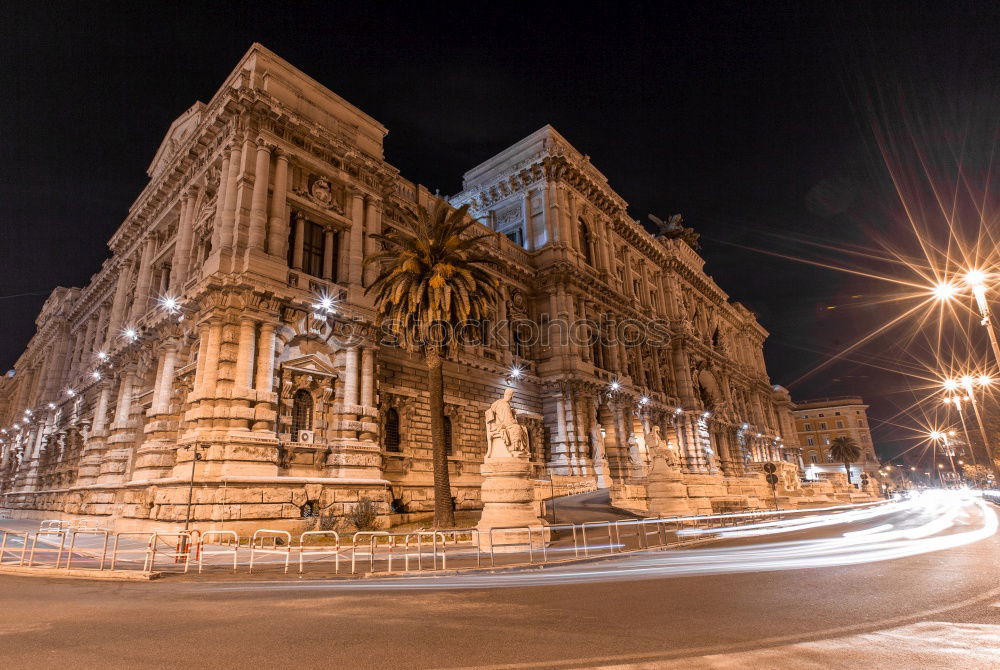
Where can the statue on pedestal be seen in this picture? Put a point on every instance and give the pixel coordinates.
(505, 437)
(664, 486)
(508, 493)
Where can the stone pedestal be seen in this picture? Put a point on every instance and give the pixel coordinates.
(509, 501)
(666, 490)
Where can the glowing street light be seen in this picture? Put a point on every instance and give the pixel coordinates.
(941, 436)
(130, 334)
(170, 304)
(945, 291)
(614, 385)
(516, 372)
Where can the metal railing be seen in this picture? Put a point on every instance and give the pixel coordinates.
(71, 544)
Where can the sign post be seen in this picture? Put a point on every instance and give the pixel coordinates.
(772, 479)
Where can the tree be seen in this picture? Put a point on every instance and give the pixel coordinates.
(845, 450)
(432, 282)
(976, 474)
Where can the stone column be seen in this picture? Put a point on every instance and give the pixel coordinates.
(265, 360)
(123, 408)
(277, 236)
(356, 252)
(228, 234)
(300, 232)
(245, 355)
(373, 222)
(118, 310)
(165, 380)
(101, 340)
(351, 377)
(258, 201)
(182, 251)
(529, 225)
(101, 410)
(328, 254)
(367, 377)
(220, 199)
(140, 301)
(209, 365)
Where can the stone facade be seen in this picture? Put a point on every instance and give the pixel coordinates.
(817, 422)
(228, 340)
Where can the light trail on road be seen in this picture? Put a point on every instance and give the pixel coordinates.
(935, 521)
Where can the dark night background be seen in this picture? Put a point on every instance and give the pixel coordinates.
(767, 125)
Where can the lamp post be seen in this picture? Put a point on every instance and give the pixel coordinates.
(938, 436)
(966, 383)
(957, 401)
(976, 279)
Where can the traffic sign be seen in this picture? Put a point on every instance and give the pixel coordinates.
(772, 478)
(770, 468)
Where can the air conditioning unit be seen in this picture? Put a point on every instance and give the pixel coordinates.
(306, 436)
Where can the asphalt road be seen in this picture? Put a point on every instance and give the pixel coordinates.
(809, 598)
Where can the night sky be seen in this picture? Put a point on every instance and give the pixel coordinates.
(774, 129)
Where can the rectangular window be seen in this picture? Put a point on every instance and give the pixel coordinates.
(808, 426)
(840, 424)
(810, 442)
(312, 249)
(822, 425)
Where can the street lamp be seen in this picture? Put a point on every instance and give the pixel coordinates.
(938, 436)
(976, 279)
(967, 382)
(957, 401)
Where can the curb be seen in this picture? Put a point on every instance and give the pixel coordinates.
(81, 573)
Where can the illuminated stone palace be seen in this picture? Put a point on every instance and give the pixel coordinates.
(228, 340)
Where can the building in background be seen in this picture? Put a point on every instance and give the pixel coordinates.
(818, 422)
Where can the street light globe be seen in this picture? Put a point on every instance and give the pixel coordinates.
(984, 380)
(975, 278)
(950, 384)
(967, 381)
(944, 290)
(936, 435)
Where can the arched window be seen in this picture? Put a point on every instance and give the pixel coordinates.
(302, 411)
(447, 435)
(392, 430)
(585, 241)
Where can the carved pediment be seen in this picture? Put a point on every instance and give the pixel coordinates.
(180, 130)
(309, 365)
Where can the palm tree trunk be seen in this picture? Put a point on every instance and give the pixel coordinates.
(444, 513)
(847, 468)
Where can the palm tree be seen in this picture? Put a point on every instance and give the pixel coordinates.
(432, 280)
(845, 450)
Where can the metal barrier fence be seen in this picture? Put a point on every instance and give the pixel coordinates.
(75, 543)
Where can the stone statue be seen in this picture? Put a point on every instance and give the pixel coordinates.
(503, 432)
(662, 448)
(674, 228)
